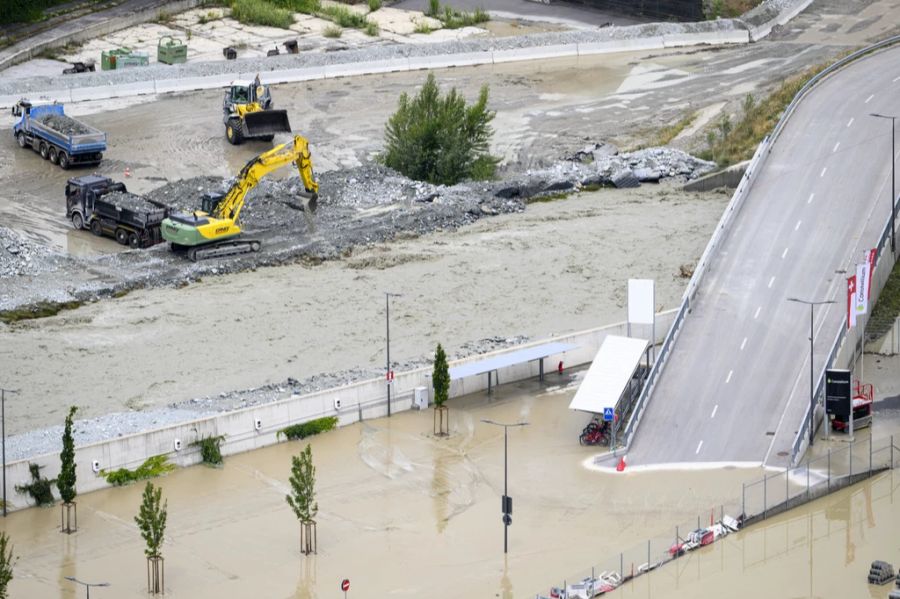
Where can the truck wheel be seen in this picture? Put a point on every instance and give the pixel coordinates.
(96, 228)
(233, 132)
(63, 160)
(133, 241)
(122, 236)
(77, 221)
(52, 155)
(20, 137)
(44, 150)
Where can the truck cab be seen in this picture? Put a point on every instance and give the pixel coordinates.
(81, 196)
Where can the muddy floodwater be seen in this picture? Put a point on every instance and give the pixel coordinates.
(405, 514)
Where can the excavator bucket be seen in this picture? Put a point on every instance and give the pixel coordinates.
(266, 122)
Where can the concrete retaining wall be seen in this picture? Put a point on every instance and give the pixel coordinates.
(255, 427)
(729, 177)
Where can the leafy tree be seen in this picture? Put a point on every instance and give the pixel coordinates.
(440, 377)
(66, 481)
(7, 562)
(440, 139)
(302, 498)
(40, 488)
(151, 519)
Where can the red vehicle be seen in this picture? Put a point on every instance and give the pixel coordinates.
(863, 398)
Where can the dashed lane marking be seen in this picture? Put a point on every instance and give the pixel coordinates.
(836, 146)
(772, 280)
(869, 99)
(824, 168)
(728, 378)
(811, 196)
(797, 226)
(699, 445)
(784, 253)
(850, 122)
(715, 409)
(755, 316)
(743, 343)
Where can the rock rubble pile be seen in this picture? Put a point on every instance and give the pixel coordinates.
(64, 124)
(21, 257)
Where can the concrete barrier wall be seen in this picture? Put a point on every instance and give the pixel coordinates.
(255, 427)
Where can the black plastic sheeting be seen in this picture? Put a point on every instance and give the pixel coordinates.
(665, 10)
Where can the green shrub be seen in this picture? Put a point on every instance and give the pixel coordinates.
(374, 5)
(209, 449)
(332, 31)
(343, 16)
(422, 27)
(308, 429)
(372, 29)
(440, 139)
(260, 12)
(305, 6)
(154, 466)
(434, 8)
(39, 488)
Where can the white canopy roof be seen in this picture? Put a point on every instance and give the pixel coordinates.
(609, 374)
(508, 359)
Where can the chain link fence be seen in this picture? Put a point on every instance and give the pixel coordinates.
(771, 495)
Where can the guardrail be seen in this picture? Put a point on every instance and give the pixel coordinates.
(723, 226)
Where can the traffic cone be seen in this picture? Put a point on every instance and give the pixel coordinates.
(620, 467)
(127, 172)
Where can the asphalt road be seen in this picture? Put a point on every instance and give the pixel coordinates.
(736, 387)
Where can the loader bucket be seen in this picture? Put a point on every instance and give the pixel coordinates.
(266, 122)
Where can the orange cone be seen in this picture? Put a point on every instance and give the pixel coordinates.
(620, 467)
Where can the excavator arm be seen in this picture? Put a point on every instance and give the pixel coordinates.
(279, 156)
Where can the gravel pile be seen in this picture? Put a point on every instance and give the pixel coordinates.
(368, 54)
(64, 124)
(111, 426)
(129, 201)
(767, 11)
(20, 257)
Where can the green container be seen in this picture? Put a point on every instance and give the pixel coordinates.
(109, 60)
(171, 50)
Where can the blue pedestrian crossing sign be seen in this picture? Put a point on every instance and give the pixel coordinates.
(608, 414)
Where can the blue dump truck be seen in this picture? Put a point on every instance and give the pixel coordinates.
(56, 137)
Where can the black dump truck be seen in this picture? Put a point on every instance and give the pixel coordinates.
(106, 208)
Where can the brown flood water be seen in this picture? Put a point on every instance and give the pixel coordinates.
(403, 514)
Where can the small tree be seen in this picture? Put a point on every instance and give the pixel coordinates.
(302, 498)
(151, 521)
(66, 481)
(440, 382)
(440, 139)
(7, 562)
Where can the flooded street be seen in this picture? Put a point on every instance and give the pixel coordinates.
(402, 514)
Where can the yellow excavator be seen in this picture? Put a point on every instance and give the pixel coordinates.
(213, 231)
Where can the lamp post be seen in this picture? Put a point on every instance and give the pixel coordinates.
(506, 503)
(812, 384)
(3, 393)
(387, 326)
(893, 179)
(87, 585)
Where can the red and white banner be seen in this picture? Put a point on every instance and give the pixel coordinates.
(851, 302)
(870, 260)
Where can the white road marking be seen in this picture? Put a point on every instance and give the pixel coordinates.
(824, 168)
(699, 445)
(772, 280)
(850, 122)
(784, 253)
(755, 316)
(836, 146)
(811, 196)
(728, 378)
(713, 415)
(797, 226)
(896, 79)
(743, 343)
(869, 98)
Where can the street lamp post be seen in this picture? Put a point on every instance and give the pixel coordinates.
(506, 504)
(812, 384)
(87, 585)
(893, 178)
(387, 326)
(3, 393)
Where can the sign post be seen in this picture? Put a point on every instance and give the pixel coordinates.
(345, 586)
(838, 397)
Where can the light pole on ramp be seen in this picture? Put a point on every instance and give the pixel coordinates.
(812, 384)
(893, 178)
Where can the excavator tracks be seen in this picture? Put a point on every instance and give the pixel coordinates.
(222, 248)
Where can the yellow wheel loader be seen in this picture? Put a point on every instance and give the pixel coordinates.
(214, 231)
(249, 113)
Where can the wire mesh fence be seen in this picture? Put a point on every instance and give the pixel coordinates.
(760, 499)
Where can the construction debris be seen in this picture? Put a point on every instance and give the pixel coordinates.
(64, 124)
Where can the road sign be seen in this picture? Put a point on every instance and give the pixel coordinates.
(390, 376)
(345, 585)
(608, 414)
(837, 392)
